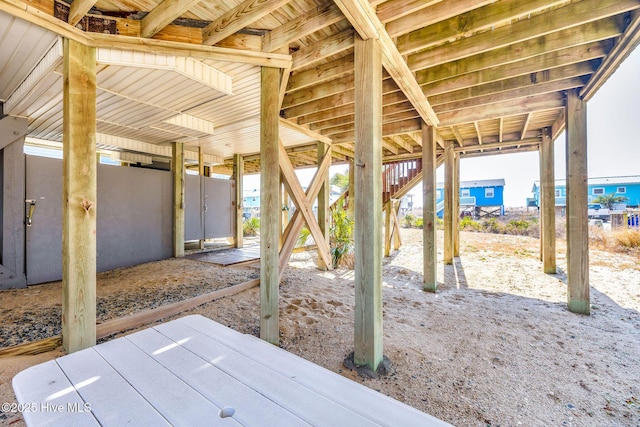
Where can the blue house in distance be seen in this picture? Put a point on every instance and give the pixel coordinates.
(625, 186)
(477, 198)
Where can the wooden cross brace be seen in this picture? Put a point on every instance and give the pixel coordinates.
(304, 212)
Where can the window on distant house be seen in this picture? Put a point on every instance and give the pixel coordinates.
(488, 193)
(438, 194)
(465, 192)
(621, 190)
(597, 191)
(558, 193)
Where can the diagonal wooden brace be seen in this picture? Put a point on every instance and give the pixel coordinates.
(291, 232)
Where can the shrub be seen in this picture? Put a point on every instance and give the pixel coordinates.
(491, 225)
(467, 223)
(251, 226)
(418, 223)
(408, 220)
(341, 235)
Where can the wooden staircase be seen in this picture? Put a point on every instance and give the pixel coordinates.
(399, 177)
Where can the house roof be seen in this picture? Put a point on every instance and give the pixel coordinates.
(478, 183)
(491, 76)
(605, 180)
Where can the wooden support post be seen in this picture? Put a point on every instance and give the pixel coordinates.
(269, 204)
(448, 201)
(577, 203)
(352, 191)
(429, 234)
(456, 205)
(323, 202)
(548, 201)
(368, 203)
(387, 228)
(177, 169)
(79, 197)
(238, 175)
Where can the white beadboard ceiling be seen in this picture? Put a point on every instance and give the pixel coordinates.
(147, 99)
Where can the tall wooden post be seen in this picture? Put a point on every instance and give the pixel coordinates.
(429, 237)
(456, 205)
(387, 227)
(352, 191)
(547, 198)
(323, 202)
(269, 204)
(368, 204)
(396, 234)
(79, 197)
(577, 205)
(177, 169)
(449, 167)
(238, 175)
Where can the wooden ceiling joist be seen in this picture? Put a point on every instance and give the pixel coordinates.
(162, 15)
(78, 9)
(238, 18)
(571, 17)
(367, 24)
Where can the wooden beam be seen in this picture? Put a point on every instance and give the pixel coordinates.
(368, 203)
(200, 52)
(396, 9)
(307, 23)
(269, 205)
(364, 20)
(512, 89)
(79, 197)
(292, 231)
(508, 108)
(503, 144)
(178, 172)
(238, 176)
(325, 72)
(328, 46)
(577, 201)
(78, 9)
(429, 233)
(387, 228)
(548, 203)
(162, 15)
(323, 205)
(476, 125)
(430, 15)
(449, 176)
(525, 125)
(545, 68)
(623, 48)
(238, 18)
(571, 17)
(458, 135)
(294, 188)
(471, 22)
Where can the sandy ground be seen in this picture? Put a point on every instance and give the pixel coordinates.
(495, 346)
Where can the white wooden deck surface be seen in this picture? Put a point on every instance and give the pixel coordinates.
(185, 371)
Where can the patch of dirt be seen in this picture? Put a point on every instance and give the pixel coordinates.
(495, 345)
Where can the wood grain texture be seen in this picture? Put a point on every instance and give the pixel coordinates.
(449, 177)
(548, 202)
(368, 204)
(429, 233)
(79, 205)
(577, 201)
(269, 204)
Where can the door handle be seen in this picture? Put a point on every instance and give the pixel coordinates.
(30, 209)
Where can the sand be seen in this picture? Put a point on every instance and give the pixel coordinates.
(495, 346)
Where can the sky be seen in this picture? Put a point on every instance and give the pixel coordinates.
(613, 144)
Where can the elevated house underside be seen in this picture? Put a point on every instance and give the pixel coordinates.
(246, 86)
